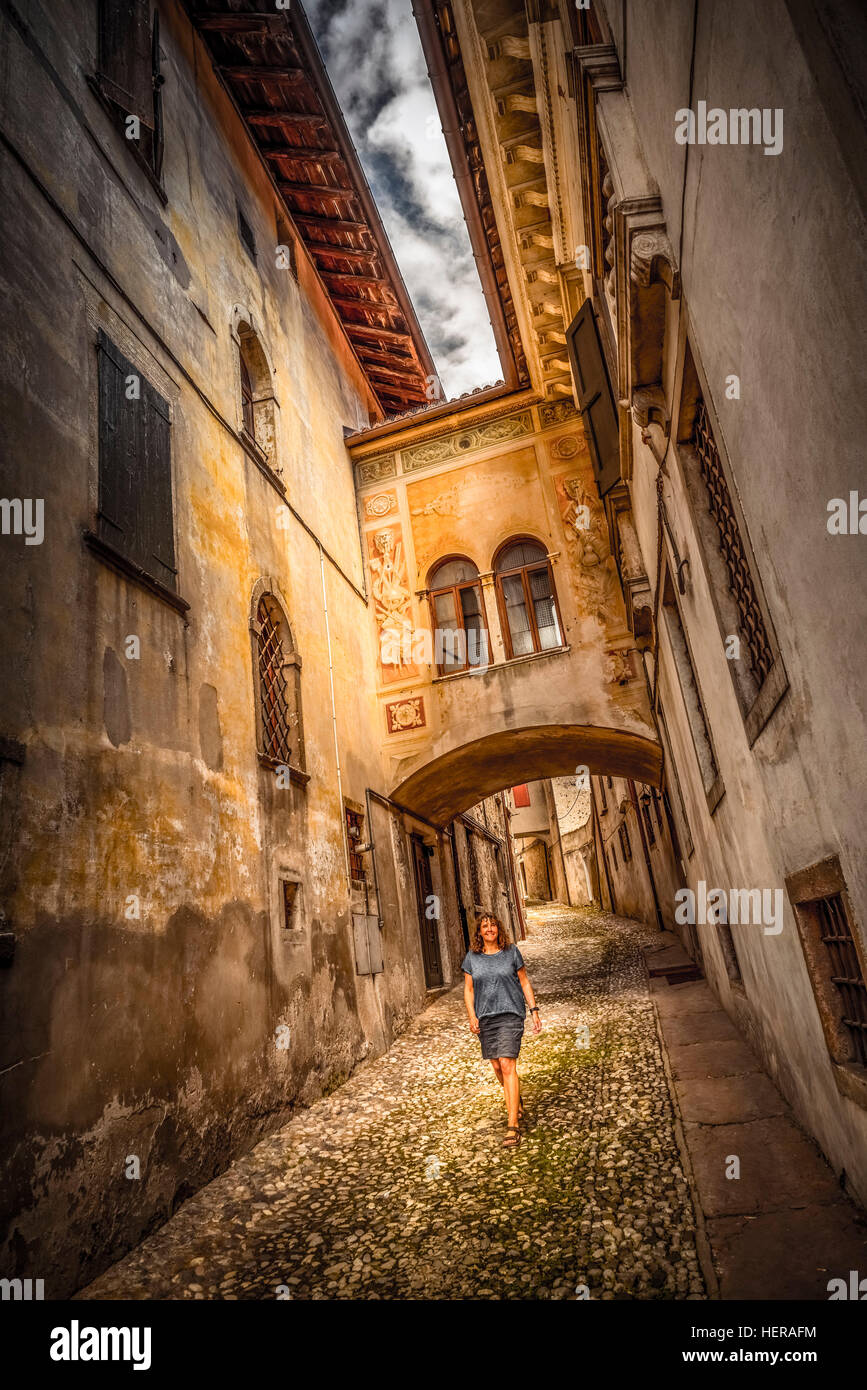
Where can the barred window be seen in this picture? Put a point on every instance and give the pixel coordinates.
(752, 625)
(844, 972)
(278, 704)
(355, 831)
(625, 846)
(837, 965)
(751, 651)
(277, 739)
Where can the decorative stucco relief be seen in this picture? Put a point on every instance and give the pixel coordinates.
(618, 667)
(374, 469)
(380, 504)
(567, 447)
(555, 412)
(405, 714)
(592, 572)
(392, 603)
(453, 445)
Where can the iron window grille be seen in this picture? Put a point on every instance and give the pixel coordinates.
(355, 831)
(836, 961)
(289, 889)
(753, 632)
(646, 800)
(625, 846)
(845, 972)
(273, 685)
(473, 866)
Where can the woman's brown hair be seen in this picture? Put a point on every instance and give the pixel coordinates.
(479, 940)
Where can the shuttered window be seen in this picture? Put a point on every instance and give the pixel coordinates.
(128, 75)
(125, 56)
(135, 481)
(595, 398)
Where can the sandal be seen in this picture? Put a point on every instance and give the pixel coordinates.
(514, 1142)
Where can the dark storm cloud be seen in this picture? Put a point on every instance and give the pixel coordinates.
(374, 59)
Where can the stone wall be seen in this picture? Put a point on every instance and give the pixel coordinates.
(159, 1013)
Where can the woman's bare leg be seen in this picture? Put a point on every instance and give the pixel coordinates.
(511, 1086)
(498, 1073)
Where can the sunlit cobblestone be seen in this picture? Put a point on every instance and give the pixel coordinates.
(396, 1186)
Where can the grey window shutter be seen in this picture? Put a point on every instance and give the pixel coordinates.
(126, 56)
(595, 398)
(135, 477)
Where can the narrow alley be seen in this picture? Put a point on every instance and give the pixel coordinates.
(396, 1185)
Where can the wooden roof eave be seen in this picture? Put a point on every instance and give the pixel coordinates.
(325, 91)
(414, 338)
(441, 82)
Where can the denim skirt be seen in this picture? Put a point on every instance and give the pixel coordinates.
(500, 1035)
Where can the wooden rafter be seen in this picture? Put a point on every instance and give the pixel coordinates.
(283, 93)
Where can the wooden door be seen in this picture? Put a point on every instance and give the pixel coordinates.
(428, 925)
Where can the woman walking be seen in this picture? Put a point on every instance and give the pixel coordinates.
(497, 992)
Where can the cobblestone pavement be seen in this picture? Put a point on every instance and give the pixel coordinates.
(396, 1186)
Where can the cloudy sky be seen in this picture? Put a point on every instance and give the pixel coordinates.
(374, 58)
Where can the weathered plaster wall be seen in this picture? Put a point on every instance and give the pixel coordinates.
(157, 1034)
(770, 296)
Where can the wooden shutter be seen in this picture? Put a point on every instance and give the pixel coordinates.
(126, 56)
(135, 480)
(595, 398)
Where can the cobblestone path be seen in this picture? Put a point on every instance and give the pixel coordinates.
(396, 1186)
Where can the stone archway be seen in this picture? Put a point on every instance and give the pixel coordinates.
(453, 782)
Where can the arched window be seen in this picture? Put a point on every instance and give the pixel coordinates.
(457, 616)
(527, 599)
(247, 399)
(279, 734)
(258, 405)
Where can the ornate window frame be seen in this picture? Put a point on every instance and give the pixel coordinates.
(263, 444)
(523, 570)
(455, 591)
(291, 666)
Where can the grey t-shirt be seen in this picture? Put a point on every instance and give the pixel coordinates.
(496, 987)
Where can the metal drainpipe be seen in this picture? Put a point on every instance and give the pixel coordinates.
(334, 727)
